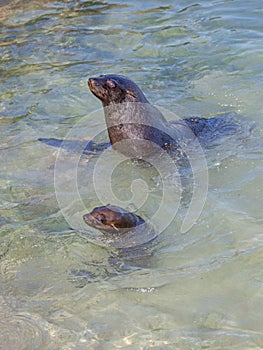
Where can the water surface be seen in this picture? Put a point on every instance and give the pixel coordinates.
(61, 289)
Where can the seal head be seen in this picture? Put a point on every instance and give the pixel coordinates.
(121, 228)
(112, 220)
(113, 88)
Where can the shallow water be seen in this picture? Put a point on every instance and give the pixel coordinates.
(62, 288)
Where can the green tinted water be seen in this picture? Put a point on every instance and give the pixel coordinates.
(200, 289)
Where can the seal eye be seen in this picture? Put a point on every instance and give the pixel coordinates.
(101, 218)
(111, 84)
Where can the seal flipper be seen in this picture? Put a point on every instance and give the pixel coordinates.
(225, 124)
(51, 142)
(85, 147)
(211, 131)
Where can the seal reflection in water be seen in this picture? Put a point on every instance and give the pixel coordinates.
(121, 228)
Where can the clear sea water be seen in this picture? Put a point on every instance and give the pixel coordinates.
(61, 288)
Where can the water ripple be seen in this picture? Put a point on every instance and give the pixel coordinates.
(21, 331)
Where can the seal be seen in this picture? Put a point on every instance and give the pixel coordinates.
(129, 116)
(113, 220)
(135, 127)
(120, 227)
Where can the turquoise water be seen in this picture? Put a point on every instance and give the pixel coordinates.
(62, 289)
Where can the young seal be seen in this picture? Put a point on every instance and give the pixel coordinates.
(129, 116)
(112, 220)
(122, 228)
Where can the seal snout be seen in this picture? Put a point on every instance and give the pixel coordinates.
(95, 84)
(96, 87)
(91, 82)
(87, 218)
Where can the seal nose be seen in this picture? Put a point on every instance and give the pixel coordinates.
(91, 82)
(85, 218)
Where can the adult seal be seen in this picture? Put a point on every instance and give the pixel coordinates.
(121, 227)
(136, 128)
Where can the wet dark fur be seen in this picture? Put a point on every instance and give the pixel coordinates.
(112, 219)
(130, 116)
(127, 120)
